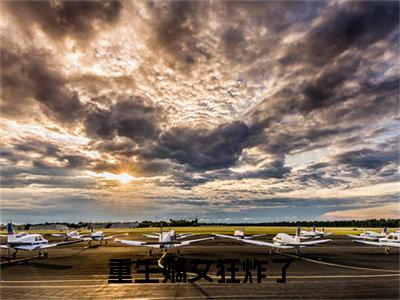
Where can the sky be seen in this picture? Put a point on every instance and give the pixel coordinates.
(216, 110)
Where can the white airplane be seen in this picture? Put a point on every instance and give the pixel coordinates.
(370, 235)
(165, 241)
(28, 242)
(100, 236)
(285, 241)
(391, 240)
(314, 233)
(69, 235)
(173, 234)
(239, 235)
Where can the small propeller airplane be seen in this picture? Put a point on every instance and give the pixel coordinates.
(391, 240)
(69, 235)
(314, 233)
(28, 242)
(166, 240)
(370, 235)
(239, 235)
(173, 234)
(100, 236)
(285, 241)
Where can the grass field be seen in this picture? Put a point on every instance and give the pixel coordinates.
(221, 230)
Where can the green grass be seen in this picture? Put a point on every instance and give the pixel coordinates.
(220, 230)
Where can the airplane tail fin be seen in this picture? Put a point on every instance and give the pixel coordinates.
(384, 230)
(297, 236)
(10, 232)
(323, 229)
(313, 228)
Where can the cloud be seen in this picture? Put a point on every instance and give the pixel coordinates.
(366, 158)
(76, 19)
(132, 117)
(391, 211)
(203, 149)
(346, 26)
(28, 75)
(223, 105)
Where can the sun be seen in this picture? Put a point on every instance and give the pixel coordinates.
(122, 177)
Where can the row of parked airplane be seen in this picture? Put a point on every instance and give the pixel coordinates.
(169, 239)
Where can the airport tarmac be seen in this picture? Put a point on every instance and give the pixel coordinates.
(338, 270)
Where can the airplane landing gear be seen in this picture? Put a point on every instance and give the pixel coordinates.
(14, 255)
(46, 254)
(151, 252)
(387, 250)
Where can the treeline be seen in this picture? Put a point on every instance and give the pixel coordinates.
(392, 223)
(171, 223)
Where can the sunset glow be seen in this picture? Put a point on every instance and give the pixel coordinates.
(237, 110)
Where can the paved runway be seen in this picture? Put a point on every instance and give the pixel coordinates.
(339, 270)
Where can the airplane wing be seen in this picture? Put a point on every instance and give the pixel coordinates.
(58, 234)
(379, 244)
(253, 236)
(315, 242)
(114, 236)
(229, 237)
(185, 243)
(185, 235)
(55, 245)
(151, 236)
(368, 238)
(137, 243)
(266, 244)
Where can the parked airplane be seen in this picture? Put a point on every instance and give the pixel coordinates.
(28, 242)
(173, 234)
(391, 240)
(165, 240)
(100, 236)
(314, 233)
(69, 235)
(239, 235)
(285, 241)
(370, 235)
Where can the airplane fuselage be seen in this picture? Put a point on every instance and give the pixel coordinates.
(27, 242)
(285, 240)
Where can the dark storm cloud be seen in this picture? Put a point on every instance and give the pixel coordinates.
(244, 20)
(28, 75)
(319, 179)
(355, 24)
(203, 149)
(281, 142)
(180, 27)
(77, 19)
(38, 146)
(368, 158)
(131, 117)
(323, 91)
(176, 24)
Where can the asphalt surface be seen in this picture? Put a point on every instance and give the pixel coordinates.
(338, 270)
